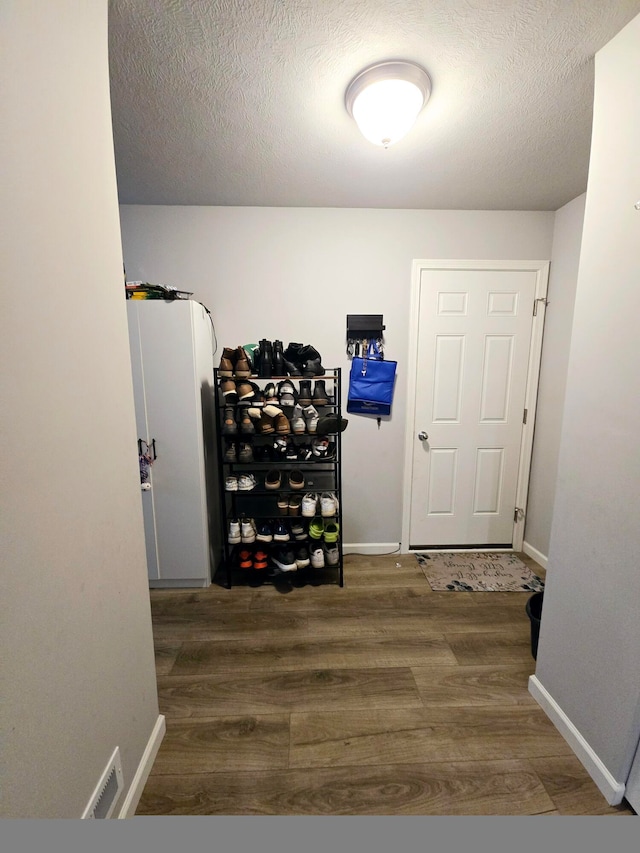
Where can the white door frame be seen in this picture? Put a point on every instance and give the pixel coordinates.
(541, 268)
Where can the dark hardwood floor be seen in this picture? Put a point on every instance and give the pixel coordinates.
(382, 697)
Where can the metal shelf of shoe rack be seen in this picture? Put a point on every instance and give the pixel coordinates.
(260, 503)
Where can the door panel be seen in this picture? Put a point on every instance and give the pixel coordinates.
(474, 337)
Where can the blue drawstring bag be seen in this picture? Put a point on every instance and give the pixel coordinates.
(371, 383)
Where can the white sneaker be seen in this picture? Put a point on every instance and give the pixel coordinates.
(328, 505)
(248, 530)
(331, 555)
(234, 532)
(231, 484)
(320, 446)
(309, 504)
(317, 557)
(311, 416)
(247, 482)
(298, 423)
(286, 393)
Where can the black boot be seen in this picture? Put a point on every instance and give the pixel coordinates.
(291, 353)
(266, 355)
(292, 369)
(304, 393)
(311, 361)
(292, 361)
(320, 397)
(278, 359)
(313, 368)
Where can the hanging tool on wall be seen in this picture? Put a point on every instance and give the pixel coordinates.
(361, 330)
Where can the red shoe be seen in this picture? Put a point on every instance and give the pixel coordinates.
(260, 560)
(246, 559)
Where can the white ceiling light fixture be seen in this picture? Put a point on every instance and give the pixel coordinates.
(385, 100)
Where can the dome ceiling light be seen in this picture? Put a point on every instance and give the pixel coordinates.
(385, 100)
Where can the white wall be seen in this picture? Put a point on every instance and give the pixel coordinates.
(77, 650)
(294, 274)
(563, 278)
(590, 632)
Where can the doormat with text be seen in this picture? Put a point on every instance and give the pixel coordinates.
(474, 571)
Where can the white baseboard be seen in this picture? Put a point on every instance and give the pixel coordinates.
(612, 790)
(371, 548)
(144, 768)
(536, 555)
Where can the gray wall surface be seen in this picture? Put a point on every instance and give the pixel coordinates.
(77, 650)
(294, 274)
(590, 631)
(563, 278)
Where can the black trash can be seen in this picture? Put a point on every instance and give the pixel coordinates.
(534, 612)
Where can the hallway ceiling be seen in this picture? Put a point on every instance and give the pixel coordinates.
(241, 102)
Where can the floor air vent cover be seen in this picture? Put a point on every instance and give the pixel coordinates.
(108, 789)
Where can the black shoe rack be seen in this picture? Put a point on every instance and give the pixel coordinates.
(321, 475)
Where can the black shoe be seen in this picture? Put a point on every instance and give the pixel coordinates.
(266, 356)
(307, 352)
(280, 447)
(319, 393)
(244, 421)
(229, 425)
(302, 557)
(304, 392)
(328, 424)
(292, 369)
(300, 530)
(278, 360)
(312, 367)
(231, 452)
(284, 559)
(292, 353)
(262, 453)
(305, 453)
(245, 452)
(291, 454)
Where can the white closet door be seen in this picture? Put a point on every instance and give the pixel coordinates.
(173, 406)
(137, 369)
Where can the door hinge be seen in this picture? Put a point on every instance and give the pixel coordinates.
(524, 417)
(517, 514)
(542, 299)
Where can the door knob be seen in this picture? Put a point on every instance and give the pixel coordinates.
(423, 436)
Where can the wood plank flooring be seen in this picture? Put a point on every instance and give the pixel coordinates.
(382, 697)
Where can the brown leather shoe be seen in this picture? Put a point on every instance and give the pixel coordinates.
(229, 390)
(282, 425)
(242, 368)
(264, 421)
(245, 391)
(227, 362)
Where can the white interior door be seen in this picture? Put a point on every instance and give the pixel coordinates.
(472, 378)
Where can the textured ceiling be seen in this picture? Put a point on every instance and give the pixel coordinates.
(241, 102)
